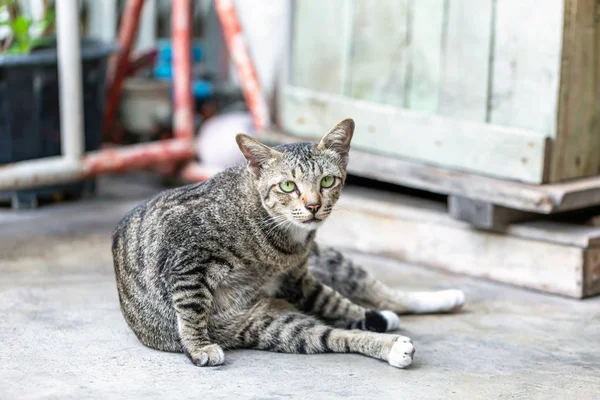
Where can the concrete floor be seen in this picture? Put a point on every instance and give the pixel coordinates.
(62, 334)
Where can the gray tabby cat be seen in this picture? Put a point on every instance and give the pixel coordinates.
(232, 263)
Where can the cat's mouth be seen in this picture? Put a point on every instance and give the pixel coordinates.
(313, 220)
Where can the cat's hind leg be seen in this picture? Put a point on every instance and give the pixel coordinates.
(337, 271)
(276, 325)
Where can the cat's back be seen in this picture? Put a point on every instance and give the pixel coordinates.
(174, 215)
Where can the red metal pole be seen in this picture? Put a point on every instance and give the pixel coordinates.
(183, 115)
(240, 55)
(136, 156)
(118, 68)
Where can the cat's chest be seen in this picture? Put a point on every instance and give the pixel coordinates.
(271, 286)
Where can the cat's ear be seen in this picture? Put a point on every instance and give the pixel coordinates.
(339, 137)
(255, 152)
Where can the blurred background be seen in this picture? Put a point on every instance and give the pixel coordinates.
(476, 150)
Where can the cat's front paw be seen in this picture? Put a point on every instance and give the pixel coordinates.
(205, 356)
(402, 353)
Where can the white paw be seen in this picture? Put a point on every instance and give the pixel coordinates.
(451, 300)
(402, 353)
(208, 356)
(393, 321)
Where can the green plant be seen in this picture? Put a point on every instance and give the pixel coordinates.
(25, 34)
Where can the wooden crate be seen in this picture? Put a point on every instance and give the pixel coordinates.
(547, 256)
(508, 88)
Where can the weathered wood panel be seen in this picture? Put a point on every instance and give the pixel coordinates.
(526, 64)
(464, 91)
(576, 151)
(421, 232)
(320, 44)
(379, 57)
(477, 147)
(425, 54)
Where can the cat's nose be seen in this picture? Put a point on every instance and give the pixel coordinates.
(313, 207)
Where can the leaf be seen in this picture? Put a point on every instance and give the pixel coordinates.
(20, 27)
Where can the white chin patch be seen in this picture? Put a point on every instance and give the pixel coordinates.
(299, 233)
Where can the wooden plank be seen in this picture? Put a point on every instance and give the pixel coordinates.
(420, 209)
(414, 234)
(542, 199)
(591, 272)
(484, 215)
(526, 64)
(425, 54)
(575, 152)
(320, 44)
(464, 92)
(379, 55)
(476, 147)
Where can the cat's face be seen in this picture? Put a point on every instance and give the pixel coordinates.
(300, 183)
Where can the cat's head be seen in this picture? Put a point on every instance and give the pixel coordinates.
(300, 183)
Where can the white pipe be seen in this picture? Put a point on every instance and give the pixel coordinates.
(69, 78)
(103, 20)
(42, 172)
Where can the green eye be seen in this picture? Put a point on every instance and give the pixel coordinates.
(288, 186)
(328, 181)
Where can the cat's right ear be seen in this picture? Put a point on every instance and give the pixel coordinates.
(339, 137)
(255, 152)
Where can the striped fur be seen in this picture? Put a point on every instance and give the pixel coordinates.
(232, 263)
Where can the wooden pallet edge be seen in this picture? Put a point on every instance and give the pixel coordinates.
(526, 262)
(591, 272)
(392, 205)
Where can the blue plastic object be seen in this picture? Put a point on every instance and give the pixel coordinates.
(201, 89)
(165, 51)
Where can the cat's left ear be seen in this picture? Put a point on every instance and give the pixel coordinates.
(255, 152)
(338, 138)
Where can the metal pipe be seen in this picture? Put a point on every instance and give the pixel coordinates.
(136, 156)
(70, 167)
(196, 172)
(240, 55)
(118, 68)
(43, 172)
(183, 122)
(69, 77)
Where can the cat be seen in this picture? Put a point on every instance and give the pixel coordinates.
(232, 263)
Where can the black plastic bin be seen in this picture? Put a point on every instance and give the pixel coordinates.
(30, 114)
